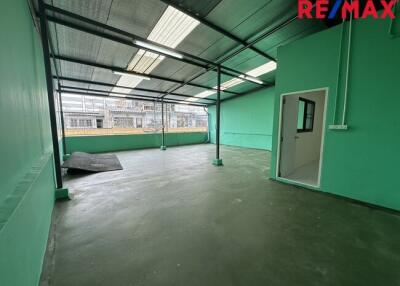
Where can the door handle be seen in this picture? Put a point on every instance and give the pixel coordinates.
(296, 137)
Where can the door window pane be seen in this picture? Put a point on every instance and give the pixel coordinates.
(305, 118)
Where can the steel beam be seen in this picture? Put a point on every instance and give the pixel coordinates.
(122, 86)
(259, 38)
(129, 97)
(82, 89)
(235, 52)
(120, 40)
(220, 30)
(129, 39)
(188, 82)
(237, 96)
(50, 94)
(119, 69)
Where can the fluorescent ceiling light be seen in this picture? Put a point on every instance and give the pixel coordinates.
(131, 75)
(250, 75)
(171, 29)
(158, 49)
(231, 83)
(203, 94)
(250, 78)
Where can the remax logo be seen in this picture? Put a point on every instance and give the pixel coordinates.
(323, 9)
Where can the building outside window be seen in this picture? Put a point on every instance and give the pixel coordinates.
(88, 115)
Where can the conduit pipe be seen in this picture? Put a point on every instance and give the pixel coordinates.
(346, 87)
(338, 73)
(343, 125)
(394, 9)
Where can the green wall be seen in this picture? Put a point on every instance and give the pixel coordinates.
(108, 143)
(26, 177)
(363, 162)
(246, 121)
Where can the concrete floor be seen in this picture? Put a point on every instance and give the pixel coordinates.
(171, 218)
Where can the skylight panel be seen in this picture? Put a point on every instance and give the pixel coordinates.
(171, 29)
(266, 68)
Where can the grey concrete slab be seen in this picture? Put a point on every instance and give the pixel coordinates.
(172, 218)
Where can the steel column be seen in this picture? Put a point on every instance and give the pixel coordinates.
(218, 161)
(50, 94)
(163, 147)
(62, 119)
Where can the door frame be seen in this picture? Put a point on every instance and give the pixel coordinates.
(322, 149)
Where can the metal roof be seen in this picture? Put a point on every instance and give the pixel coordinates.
(245, 19)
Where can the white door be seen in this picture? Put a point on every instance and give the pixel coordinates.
(290, 109)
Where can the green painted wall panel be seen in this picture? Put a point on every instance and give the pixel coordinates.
(361, 163)
(107, 143)
(24, 235)
(26, 177)
(246, 121)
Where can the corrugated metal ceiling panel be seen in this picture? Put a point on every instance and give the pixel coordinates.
(201, 8)
(244, 18)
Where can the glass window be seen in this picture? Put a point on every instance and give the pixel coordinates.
(305, 117)
(73, 122)
(139, 123)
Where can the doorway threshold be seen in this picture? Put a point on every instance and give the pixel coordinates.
(298, 183)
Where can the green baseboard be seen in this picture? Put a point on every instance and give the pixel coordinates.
(62, 194)
(217, 162)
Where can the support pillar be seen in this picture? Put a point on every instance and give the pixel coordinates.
(62, 122)
(163, 147)
(218, 161)
(61, 193)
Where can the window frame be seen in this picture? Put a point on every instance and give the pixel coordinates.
(306, 103)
